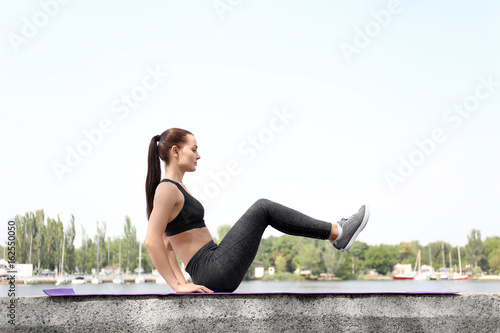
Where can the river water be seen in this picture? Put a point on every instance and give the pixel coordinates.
(470, 286)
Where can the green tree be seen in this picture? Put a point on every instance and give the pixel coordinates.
(53, 243)
(491, 244)
(491, 248)
(31, 232)
(358, 250)
(494, 260)
(357, 253)
(90, 255)
(407, 253)
(286, 247)
(265, 254)
(130, 246)
(147, 263)
(344, 267)
(39, 243)
(222, 230)
(114, 249)
(80, 253)
(475, 247)
(382, 258)
(22, 237)
(328, 257)
(309, 256)
(280, 263)
(437, 254)
(69, 246)
(100, 240)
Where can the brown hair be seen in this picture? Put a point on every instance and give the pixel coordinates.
(159, 148)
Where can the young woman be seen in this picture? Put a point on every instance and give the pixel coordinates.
(176, 224)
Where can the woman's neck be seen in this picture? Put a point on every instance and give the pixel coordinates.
(175, 175)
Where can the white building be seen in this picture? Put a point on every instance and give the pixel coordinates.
(258, 269)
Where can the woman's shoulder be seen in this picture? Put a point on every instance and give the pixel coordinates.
(168, 192)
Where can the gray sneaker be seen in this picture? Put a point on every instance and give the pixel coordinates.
(351, 228)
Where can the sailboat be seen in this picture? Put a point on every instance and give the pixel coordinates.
(433, 276)
(419, 276)
(61, 279)
(140, 279)
(79, 279)
(443, 272)
(403, 272)
(118, 279)
(459, 276)
(97, 280)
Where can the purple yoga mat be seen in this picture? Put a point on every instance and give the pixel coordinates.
(70, 292)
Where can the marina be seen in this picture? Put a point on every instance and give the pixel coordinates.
(353, 286)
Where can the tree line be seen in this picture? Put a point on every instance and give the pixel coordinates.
(288, 253)
(41, 243)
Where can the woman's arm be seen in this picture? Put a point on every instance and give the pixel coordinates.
(172, 259)
(164, 202)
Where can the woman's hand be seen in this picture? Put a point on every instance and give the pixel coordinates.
(192, 288)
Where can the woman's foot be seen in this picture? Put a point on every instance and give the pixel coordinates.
(351, 228)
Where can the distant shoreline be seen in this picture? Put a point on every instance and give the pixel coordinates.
(150, 278)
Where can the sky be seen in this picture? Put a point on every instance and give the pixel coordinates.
(321, 105)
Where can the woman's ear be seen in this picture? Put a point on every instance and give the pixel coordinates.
(175, 151)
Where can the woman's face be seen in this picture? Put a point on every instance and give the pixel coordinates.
(188, 154)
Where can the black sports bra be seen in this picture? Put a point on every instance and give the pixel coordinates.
(190, 216)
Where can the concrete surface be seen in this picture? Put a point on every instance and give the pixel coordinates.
(256, 313)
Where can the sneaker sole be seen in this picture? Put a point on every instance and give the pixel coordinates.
(361, 227)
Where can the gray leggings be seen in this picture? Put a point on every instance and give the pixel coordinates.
(222, 267)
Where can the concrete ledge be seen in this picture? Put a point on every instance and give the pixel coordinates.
(257, 313)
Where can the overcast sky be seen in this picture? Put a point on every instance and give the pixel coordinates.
(318, 105)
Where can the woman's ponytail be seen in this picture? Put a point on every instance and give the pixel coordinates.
(159, 148)
(154, 173)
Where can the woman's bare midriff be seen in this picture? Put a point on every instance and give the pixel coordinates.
(187, 243)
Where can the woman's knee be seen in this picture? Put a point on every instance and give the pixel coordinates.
(263, 202)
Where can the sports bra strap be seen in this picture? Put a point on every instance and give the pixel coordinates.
(190, 216)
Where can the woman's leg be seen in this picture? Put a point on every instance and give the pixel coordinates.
(230, 261)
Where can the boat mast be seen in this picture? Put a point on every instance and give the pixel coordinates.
(140, 257)
(97, 256)
(459, 261)
(62, 261)
(419, 268)
(442, 250)
(451, 265)
(108, 252)
(120, 258)
(430, 257)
